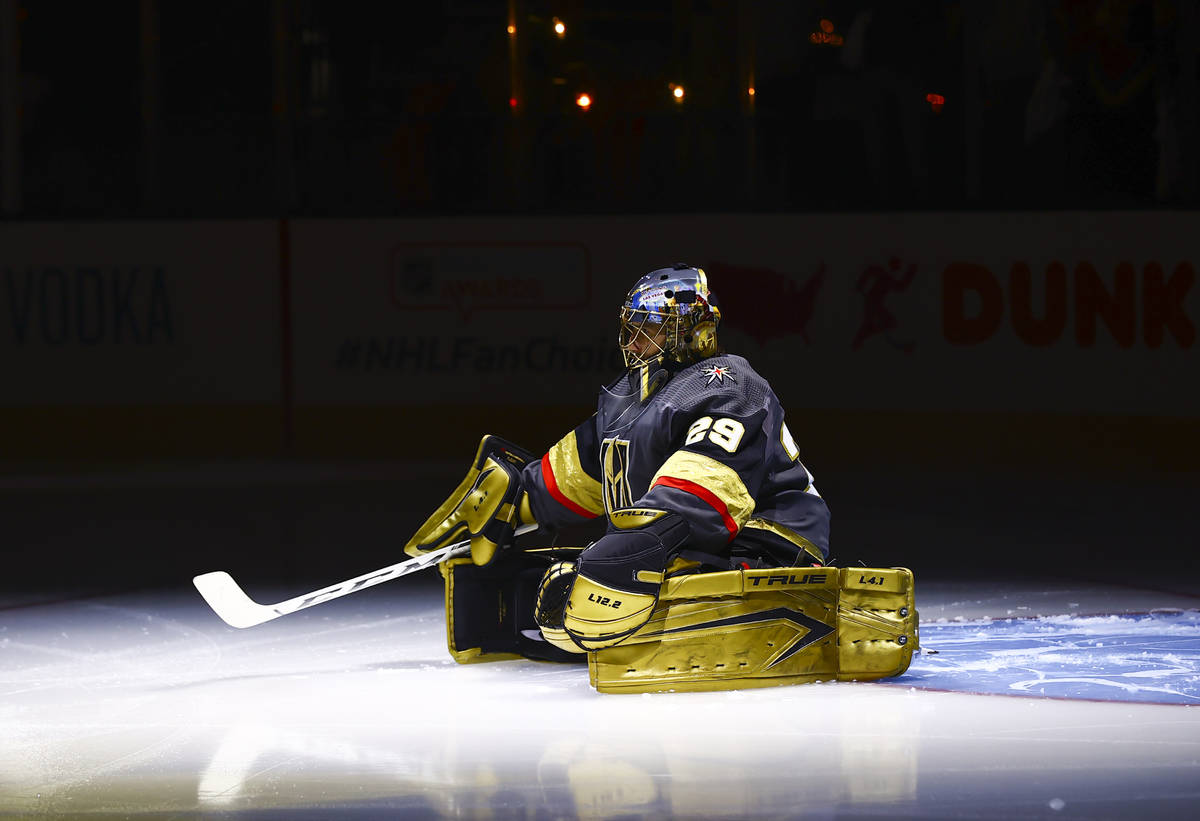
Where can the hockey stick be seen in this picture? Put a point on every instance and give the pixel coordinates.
(230, 602)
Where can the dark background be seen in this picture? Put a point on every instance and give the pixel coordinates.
(300, 108)
(309, 108)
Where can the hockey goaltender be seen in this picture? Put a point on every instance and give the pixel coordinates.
(711, 574)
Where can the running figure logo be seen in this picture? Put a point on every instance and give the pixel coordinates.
(875, 284)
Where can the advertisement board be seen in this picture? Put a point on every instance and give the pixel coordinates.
(359, 337)
(1026, 313)
(157, 312)
(129, 340)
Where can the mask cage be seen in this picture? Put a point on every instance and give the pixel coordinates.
(658, 333)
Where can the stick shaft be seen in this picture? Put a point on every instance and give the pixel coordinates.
(230, 602)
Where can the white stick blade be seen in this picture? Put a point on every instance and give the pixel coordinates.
(229, 601)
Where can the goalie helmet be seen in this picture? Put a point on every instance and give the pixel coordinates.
(669, 313)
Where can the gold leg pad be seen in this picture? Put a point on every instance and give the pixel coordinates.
(877, 623)
(764, 628)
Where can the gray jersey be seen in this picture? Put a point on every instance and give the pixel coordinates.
(708, 442)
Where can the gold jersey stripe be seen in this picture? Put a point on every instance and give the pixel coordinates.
(787, 535)
(570, 477)
(718, 479)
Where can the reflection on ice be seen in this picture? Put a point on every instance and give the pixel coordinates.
(155, 707)
(652, 760)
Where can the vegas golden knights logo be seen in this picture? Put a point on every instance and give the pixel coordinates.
(614, 456)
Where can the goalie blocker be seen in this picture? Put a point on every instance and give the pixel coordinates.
(486, 508)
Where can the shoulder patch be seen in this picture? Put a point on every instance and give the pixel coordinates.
(718, 373)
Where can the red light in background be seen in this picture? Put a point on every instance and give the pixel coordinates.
(826, 37)
(936, 101)
(583, 101)
(512, 102)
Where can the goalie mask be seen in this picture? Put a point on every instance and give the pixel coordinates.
(670, 314)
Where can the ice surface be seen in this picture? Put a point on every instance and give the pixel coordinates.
(150, 705)
(1152, 658)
